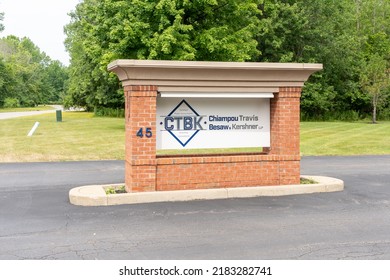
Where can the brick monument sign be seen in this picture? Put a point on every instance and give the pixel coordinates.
(201, 125)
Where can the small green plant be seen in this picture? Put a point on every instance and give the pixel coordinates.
(110, 191)
(11, 103)
(115, 190)
(306, 181)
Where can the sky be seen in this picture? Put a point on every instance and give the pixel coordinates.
(42, 21)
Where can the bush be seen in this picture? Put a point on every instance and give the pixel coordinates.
(317, 100)
(109, 112)
(384, 114)
(349, 115)
(10, 102)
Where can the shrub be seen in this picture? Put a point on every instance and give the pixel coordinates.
(384, 114)
(109, 112)
(348, 115)
(10, 102)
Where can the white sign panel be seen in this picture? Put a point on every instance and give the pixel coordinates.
(199, 123)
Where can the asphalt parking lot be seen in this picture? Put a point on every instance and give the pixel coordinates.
(37, 221)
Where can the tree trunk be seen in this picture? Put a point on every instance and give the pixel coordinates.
(374, 114)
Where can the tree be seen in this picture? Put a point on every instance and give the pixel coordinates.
(375, 80)
(374, 27)
(5, 79)
(342, 35)
(22, 59)
(283, 32)
(105, 30)
(56, 77)
(3, 73)
(338, 35)
(1, 19)
(27, 74)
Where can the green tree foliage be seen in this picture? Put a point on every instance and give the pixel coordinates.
(1, 19)
(56, 77)
(344, 35)
(27, 74)
(335, 44)
(3, 73)
(104, 30)
(373, 24)
(339, 34)
(375, 74)
(10, 102)
(375, 80)
(283, 31)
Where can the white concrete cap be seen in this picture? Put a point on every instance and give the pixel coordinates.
(96, 196)
(207, 76)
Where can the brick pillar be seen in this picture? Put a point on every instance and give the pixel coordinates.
(285, 133)
(140, 169)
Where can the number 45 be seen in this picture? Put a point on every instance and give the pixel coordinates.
(148, 132)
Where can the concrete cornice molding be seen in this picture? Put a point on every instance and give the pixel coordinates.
(123, 63)
(201, 74)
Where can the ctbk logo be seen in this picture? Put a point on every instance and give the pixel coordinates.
(183, 123)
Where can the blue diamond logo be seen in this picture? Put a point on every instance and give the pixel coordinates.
(183, 109)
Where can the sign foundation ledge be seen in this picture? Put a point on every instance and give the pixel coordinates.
(96, 196)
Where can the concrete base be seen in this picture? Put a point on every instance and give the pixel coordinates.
(95, 195)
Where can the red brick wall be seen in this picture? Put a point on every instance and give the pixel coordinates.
(183, 173)
(146, 172)
(140, 112)
(285, 121)
(285, 111)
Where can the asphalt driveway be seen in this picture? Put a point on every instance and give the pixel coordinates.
(12, 115)
(37, 221)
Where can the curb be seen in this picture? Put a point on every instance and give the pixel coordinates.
(95, 195)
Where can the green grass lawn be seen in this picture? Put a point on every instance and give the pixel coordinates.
(345, 138)
(79, 137)
(83, 137)
(28, 109)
